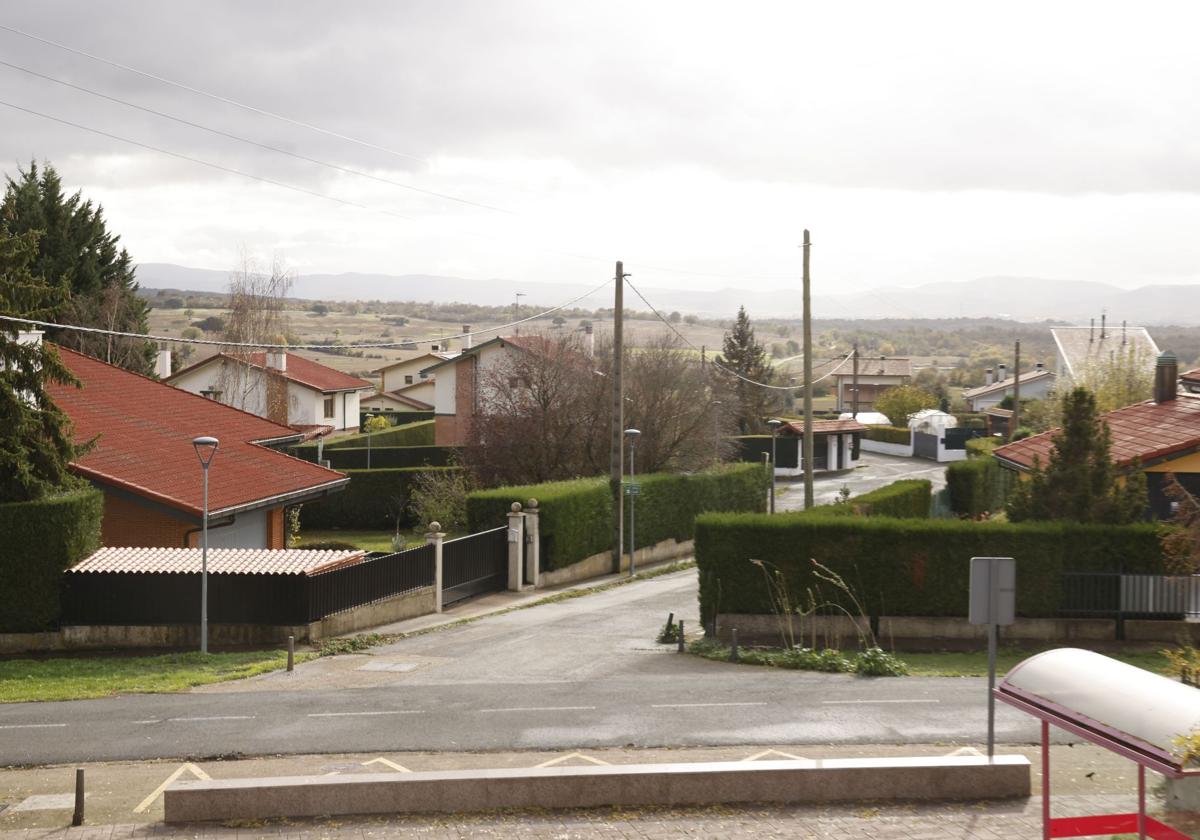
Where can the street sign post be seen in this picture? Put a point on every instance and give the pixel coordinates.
(993, 601)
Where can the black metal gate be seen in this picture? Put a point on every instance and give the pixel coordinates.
(474, 565)
(925, 446)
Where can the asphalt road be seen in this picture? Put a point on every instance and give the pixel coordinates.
(871, 472)
(575, 674)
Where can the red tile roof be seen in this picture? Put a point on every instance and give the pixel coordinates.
(144, 432)
(823, 427)
(229, 561)
(1144, 431)
(300, 370)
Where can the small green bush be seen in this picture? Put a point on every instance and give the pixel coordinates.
(42, 539)
(982, 446)
(374, 499)
(876, 662)
(978, 485)
(904, 566)
(909, 498)
(889, 434)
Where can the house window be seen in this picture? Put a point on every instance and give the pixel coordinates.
(329, 407)
(408, 380)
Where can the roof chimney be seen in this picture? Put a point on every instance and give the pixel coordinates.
(1166, 375)
(33, 337)
(1001, 372)
(589, 338)
(468, 339)
(989, 376)
(162, 363)
(1124, 340)
(1092, 332)
(277, 360)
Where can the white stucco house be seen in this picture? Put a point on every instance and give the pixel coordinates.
(283, 387)
(1036, 384)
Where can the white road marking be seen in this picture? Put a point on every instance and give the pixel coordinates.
(368, 714)
(152, 720)
(871, 702)
(399, 768)
(179, 771)
(698, 705)
(213, 717)
(761, 755)
(33, 726)
(568, 757)
(544, 709)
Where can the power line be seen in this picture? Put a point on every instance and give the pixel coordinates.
(716, 364)
(214, 96)
(345, 169)
(258, 346)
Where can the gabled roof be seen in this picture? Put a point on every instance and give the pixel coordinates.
(1000, 387)
(1190, 379)
(823, 427)
(435, 356)
(144, 431)
(1082, 347)
(533, 343)
(867, 366)
(227, 561)
(300, 370)
(400, 397)
(1145, 431)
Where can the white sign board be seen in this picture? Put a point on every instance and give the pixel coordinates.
(993, 597)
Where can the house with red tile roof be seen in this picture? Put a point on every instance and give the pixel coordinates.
(1157, 436)
(284, 387)
(143, 461)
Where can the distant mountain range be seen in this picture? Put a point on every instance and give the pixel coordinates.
(1018, 298)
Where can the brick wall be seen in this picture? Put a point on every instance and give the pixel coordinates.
(128, 523)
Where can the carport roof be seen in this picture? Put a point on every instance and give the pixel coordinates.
(230, 561)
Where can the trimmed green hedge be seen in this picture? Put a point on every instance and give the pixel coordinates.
(374, 499)
(410, 434)
(576, 518)
(982, 446)
(909, 498)
(41, 540)
(382, 457)
(889, 434)
(904, 566)
(978, 485)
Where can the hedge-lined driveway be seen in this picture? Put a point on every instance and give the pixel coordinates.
(871, 472)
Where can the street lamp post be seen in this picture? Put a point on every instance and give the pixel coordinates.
(774, 424)
(633, 435)
(206, 450)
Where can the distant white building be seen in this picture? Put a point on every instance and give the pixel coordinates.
(1036, 384)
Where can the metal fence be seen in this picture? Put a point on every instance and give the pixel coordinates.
(371, 580)
(474, 565)
(1130, 596)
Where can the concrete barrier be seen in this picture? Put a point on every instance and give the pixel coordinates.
(726, 782)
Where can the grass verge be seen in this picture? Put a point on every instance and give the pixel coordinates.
(27, 680)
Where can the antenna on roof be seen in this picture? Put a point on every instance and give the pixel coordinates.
(1103, 324)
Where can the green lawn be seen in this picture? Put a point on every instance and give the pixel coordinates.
(974, 663)
(24, 680)
(369, 540)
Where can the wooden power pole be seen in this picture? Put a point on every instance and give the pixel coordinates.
(1015, 420)
(808, 409)
(854, 380)
(616, 464)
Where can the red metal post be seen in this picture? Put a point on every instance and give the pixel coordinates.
(1141, 820)
(1045, 780)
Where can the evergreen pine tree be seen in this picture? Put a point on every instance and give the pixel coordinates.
(1080, 482)
(746, 356)
(76, 252)
(35, 439)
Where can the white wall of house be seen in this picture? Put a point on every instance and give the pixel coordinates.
(1038, 389)
(249, 530)
(315, 406)
(445, 389)
(407, 372)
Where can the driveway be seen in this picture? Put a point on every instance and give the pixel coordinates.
(871, 472)
(575, 674)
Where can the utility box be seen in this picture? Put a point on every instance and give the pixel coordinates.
(993, 598)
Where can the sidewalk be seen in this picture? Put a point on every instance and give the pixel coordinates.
(123, 800)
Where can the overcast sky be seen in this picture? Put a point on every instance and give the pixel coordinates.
(919, 141)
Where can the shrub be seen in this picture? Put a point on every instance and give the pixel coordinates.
(876, 662)
(374, 499)
(909, 498)
(382, 457)
(576, 516)
(889, 434)
(904, 566)
(410, 434)
(42, 539)
(982, 446)
(978, 485)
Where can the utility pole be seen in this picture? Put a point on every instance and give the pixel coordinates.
(854, 380)
(616, 462)
(1015, 420)
(517, 312)
(808, 409)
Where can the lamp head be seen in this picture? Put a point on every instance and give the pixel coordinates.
(774, 423)
(206, 449)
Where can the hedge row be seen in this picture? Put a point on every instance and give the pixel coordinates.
(978, 485)
(889, 434)
(381, 457)
(374, 499)
(982, 446)
(410, 434)
(909, 498)
(751, 448)
(904, 566)
(576, 517)
(41, 540)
